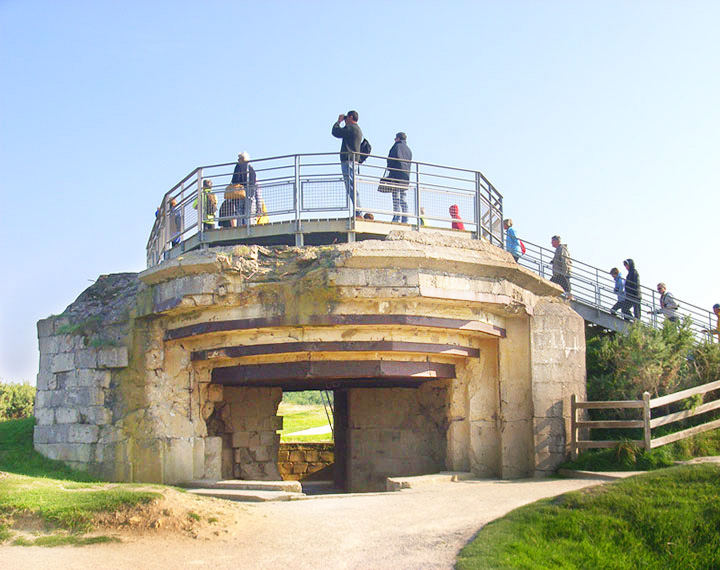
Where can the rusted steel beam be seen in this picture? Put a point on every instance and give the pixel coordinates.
(253, 374)
(336, 346)
(333, 320)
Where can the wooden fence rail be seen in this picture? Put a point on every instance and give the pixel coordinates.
(647, 423)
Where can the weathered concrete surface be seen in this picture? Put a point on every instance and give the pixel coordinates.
(126, 386)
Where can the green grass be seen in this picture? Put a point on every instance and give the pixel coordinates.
(18, 456)
(702, 445)
(301, 417)
(664, 519)
(64, 540)
(60, 496)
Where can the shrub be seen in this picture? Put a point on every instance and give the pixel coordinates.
(16, 401)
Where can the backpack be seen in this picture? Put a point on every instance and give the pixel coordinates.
(365, 149)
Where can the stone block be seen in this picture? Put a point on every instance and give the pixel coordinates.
(83, 433)
(240, 439)
(179, 460)
(86, 358)
(98, 415)
(198, 457)
(43, 399)
(252, 472)
(66, 415)
(242, 456)
(253, 439)
(44, 380)
(65, 451)
(299, 468)
(312, 456)
(46, 327)
(327, 456)
(112, 357)
(269, 438)
(296, 455)
(62, 362)
(44, 416)
(262, 454)
(285, 468)
(84, 397)
(283, 455)
(213, 458)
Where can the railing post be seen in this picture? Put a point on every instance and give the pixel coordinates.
(417, 197)
(573, 428)
(200, 204)
(478, 208)
(646, 421)
(297, 203)
(597, 289)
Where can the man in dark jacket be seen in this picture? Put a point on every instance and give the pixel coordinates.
(352, 138)
(398, 167)
(244, 174)
(632, 286)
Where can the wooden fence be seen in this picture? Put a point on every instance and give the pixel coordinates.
(647, 423)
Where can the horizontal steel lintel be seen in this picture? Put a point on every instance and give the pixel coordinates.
(336, 320)
(253, 374)
(340, 346)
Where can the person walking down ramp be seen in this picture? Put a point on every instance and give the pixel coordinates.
(352, 137)
(668, 305)
(632, 286)
(716, 330)
(561, 266)
(512, 243)
(622, 302)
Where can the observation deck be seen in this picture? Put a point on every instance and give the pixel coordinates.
(302, 199)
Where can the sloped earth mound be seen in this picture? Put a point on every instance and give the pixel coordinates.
(174, 514)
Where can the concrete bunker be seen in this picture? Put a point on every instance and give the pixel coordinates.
(443, 354)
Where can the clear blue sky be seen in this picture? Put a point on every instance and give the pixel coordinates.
(599, 121)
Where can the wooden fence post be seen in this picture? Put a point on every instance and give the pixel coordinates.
(646, 421)
(573, 428)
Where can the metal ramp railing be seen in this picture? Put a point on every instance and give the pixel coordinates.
(593, 296)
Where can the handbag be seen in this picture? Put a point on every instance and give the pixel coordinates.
(386, 185)
(235, 192)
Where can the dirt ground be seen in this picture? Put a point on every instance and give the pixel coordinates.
(416, 528)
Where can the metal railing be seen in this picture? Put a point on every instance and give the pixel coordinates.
(299, 187)
(594, 287)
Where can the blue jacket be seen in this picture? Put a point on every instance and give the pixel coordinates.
(512, 243)
(620, 287)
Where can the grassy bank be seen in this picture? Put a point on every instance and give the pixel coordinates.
(298, 417)
(35, 489)
(663, 519)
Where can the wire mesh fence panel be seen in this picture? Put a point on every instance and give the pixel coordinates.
(323, 194)
(448, 210)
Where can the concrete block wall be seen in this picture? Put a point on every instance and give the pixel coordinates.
(71, 412)
(254, 442)
(396, 432)
(558, 371)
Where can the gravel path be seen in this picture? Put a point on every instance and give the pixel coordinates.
(414, 529)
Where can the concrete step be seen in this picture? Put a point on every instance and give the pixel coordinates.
(242, 485)
(398, 483)
(247, 495)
